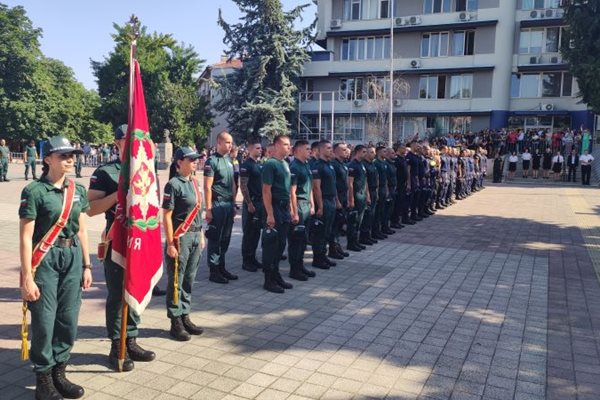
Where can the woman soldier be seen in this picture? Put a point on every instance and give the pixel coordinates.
(53, 289)
(182, 205)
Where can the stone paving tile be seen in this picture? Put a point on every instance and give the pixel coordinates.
(501, 303)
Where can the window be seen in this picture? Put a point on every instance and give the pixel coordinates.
(365, 48)
(546, 84)
(515, 85)
(466, 5)
(567, 86)
(551, 84)
(461, 86)
(351, 89)
(352, 9)
(530, 41)
(552, 40)
(384, 8)
(428, 87)
(434, 44)
(463, 43)
(309, 87)
(436, 6)
(530, 84)
(366, 9)
(540, 4)
(377, 88)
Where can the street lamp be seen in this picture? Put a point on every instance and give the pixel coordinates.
(391, 89)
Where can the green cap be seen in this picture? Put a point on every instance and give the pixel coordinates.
(186, 152)
(59, 144)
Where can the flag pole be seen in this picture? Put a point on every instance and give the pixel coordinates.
(133, 35)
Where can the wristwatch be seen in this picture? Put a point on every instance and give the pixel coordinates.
(87, 266)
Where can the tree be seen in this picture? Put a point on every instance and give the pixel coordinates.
(378, 93)
(580, 47)
(260, 97)
(169, 72)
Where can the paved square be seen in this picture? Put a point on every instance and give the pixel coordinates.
(494, 298)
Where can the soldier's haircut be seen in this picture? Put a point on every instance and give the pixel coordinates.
(253, 141)
(222, 135)
(299, 143)
(314, 145)
(323, 143)
(280, 137)
(359, 148)
(379, 148)
(335, 146)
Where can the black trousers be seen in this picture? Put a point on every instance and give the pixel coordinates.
(572, 170)
(586, 172)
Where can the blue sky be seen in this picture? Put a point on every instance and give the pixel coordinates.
(76, 31)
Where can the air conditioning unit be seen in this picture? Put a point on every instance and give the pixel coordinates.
(546, 106)
(464, 16)
(533, 14)
(358, 103)
(415, 64)
(414, 20)
(397, 103)
(555, 60)
(336, 23)
(549, 13)
(400, 21)
(535, 60)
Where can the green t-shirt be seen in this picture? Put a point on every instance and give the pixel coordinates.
(42, 202)
(180, 197)
(277, 174)
(372, 175)
(358, 172)
(106, 179)
(323, 171)
(252, 170)
(392, 179)
(302, 179)
(4, 152)
(341, 180)
(382, 168)
(30, 151)
(221, 169)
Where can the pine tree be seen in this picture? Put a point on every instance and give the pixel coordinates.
(581, 46)
(261, 96)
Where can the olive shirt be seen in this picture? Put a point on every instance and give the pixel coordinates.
(251, 169)
(277, 174)
(341, 180)
(302, 179)
(372, 175)
(30, 151)
(180, 197)
(4, 152)
(43, 202)
(106, 179)
(323, 171)
(358, 172)
(221, 169)
(382, 168)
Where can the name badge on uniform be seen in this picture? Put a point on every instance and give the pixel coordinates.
(76, 198)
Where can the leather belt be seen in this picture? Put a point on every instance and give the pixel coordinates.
(64, 242)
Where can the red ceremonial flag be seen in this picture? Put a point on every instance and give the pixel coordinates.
(136, 244)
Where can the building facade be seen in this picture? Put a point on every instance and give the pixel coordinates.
(458, 66)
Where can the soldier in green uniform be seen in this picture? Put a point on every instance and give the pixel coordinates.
(252, 208)
(54, 290)
(78, 161)
(179, 200)
(392, 181)
(30, 159)
(302, 208)
(276, 185)
(366, 228)
(219, 187)
(4, 160)
(382, 195)
(102, 195)
(325, 196)
(341, 182)
(358, 197)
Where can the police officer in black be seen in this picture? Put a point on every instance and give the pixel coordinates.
(379, 227)
(341, 183)
(219, 187)
(366, 228)
(392, 180)
(413, 159)
(276, 186)
(252, 209)
(400, 216)
(303, 205)
(358, 197)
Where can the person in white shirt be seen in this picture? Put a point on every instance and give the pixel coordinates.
(512, 164)
(557, 165)
(586, 167)
(526, 157)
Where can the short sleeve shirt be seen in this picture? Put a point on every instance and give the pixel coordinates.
(324, 172)
(413, 161)
(30, 151)
(382, 172)
(106, 179)
(221, 169)
(372, 175)
(277, 174)
(252, 170)
(42, 202)
(392, 180)
(4, 152)
(301, 178)
(358, 172)
(341, 180)
(180, 197)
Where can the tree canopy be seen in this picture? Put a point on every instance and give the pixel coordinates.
(169, 74)
(260, 98)
(581, 46)
(39, 96)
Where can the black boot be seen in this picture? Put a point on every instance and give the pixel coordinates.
(297, 274)
(177, 331)
(333, 253)
(113, 357)
(365, 241)
(156, 291)
(307, 272)
(216, 276)
(279, 280)
(249, 266)
(66, 388)
(354, 247)
(329, 262)
(137, 353)
(320, 262)
(228, 275)
(190, 327)
(270, 285)
(256, 263)
(340, 250)
(44, 387)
